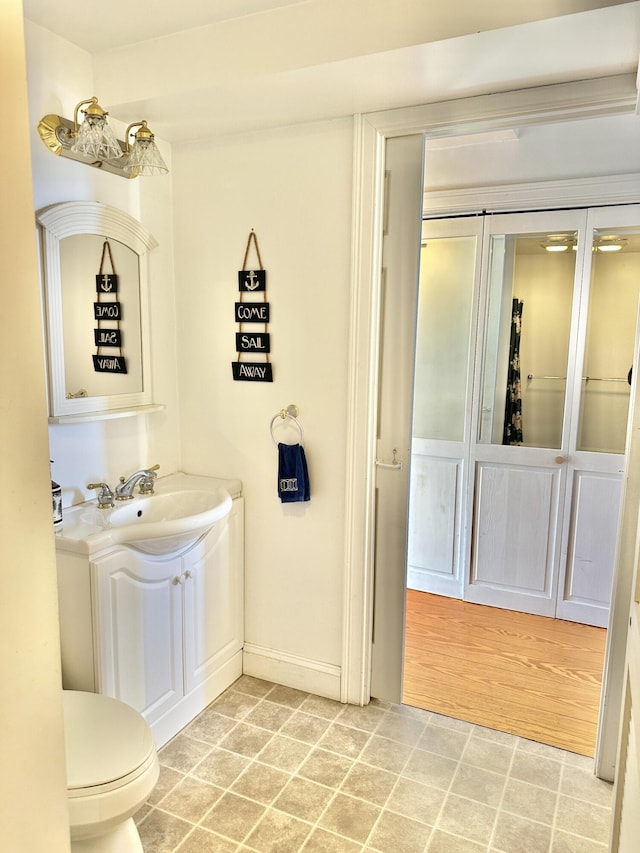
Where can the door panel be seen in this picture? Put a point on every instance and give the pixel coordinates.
(515, 534)
(530, 299)
(440, 500)
(434, 506)
(398, 300)
(592, 541)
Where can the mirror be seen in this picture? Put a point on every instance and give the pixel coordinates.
(95, 275)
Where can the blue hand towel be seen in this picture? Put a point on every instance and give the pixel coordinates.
(293, 475)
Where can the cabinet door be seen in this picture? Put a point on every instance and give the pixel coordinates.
(213, 599)
(139, 630)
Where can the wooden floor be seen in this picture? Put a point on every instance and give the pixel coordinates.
(528, 675)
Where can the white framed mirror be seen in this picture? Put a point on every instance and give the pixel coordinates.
(97, 337)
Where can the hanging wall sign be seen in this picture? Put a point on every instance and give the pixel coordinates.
(252, 371)
(253, 342)
(109, 364)
(252, 281)
(247, 310)
(107, 310)
(252, 312)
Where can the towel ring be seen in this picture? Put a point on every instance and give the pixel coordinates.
(285, 415)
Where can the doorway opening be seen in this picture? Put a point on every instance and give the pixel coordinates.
(525, 339)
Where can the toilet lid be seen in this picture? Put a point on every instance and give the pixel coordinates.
(105, 740)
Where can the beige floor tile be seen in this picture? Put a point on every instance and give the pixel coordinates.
(305, 727)
(322, 707)
(385, 753)
(430, 769)
(400, 728)
(530, 801)
(246, 740)
(564, 842)
(210, 727)
(326, 768)
(233, 817)
(393, 833)
(269, 715)
(467, 819)
(488, 755)
(515, 834)
(584, 785)
(303, 798)
(167, 780)
(417, 801)
(474, 783)
(369, 783)
(278, 833)
(582, 818)
(261, 783)
(443, 741)
(344, 740)
(183, 753)
(321, 841)
(536, 769)
(161, 832)
(350, 817)
(220, 767)
(191, 799)
(202, 841)
(443, 842)
(287, 696)
(253, 686)
(366, 718)
(233, 704)
(284, 753)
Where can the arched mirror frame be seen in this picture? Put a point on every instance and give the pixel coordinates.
(85, 217)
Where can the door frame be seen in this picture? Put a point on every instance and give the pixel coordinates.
(540, 105)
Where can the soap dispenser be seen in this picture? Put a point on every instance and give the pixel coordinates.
(56, 499)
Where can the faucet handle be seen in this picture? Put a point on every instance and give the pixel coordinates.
(105, 498)
(146, 483)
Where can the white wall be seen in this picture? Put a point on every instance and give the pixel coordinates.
(59, 76)
(293, 187)
(33, 795)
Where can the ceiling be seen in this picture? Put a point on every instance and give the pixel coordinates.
(200, 68)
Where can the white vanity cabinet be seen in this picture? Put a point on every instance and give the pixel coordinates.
(164, 633)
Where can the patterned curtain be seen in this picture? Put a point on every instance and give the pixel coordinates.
(512, 432)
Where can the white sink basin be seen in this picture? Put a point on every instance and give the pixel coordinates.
(160, 524)
(164, 523)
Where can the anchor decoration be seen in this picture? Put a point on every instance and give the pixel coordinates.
(110, 312)
(252, 342)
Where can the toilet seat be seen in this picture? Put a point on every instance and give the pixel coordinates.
(108, 745)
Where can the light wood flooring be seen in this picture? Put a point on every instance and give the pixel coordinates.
(532, 676)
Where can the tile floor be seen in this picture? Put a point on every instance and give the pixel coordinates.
(270, 769)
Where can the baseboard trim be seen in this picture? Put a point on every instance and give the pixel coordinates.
(321, 679)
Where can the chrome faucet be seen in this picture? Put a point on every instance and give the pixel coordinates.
(105, 496)
(146, 478)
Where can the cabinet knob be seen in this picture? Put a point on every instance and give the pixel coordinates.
(559, 459)
(175, 581)
(187, 575)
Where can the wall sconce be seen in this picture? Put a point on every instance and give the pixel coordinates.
(143, 157)
(94, 143)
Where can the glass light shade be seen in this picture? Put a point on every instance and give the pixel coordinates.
(144, 158)
(96, 139)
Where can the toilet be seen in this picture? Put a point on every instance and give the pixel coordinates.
(112, 767)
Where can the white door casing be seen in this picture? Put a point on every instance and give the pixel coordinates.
(544, 105)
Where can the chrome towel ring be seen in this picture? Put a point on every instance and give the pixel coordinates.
(284, 415)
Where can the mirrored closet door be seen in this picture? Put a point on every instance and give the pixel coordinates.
(526, 332)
